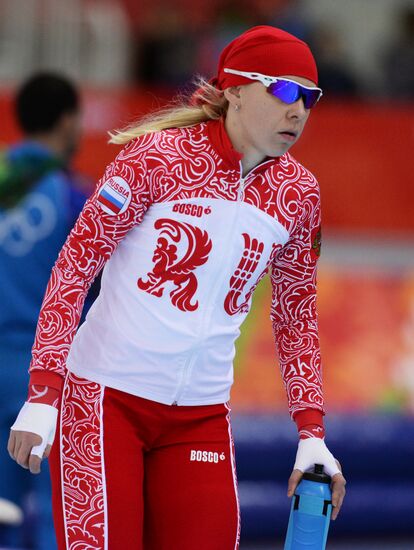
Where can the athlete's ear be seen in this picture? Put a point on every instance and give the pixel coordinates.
(232, 95)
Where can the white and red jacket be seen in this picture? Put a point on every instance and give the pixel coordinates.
(184, 240)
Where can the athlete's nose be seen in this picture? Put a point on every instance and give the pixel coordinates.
(297, 109)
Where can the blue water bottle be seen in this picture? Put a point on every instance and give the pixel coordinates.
(310, 514)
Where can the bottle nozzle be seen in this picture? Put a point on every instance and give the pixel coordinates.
(317, 474)
(318, 469)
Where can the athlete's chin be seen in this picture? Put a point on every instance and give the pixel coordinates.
(280, 149)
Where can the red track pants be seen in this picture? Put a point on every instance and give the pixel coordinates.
(129, 473)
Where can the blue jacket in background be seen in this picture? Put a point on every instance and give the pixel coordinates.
(39, 202)
(32, 232)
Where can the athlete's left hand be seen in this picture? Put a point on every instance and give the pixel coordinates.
(313, 451)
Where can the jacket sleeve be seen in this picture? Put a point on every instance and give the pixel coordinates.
(293, 313)
(89, 245)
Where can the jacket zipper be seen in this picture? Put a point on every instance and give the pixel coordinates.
(241, 185)
(190, 360)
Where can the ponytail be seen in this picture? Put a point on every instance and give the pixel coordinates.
(206, 103)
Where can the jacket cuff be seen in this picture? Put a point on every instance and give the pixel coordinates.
(46, 378)
(308, 416)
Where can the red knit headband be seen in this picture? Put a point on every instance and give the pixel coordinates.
(265, 50)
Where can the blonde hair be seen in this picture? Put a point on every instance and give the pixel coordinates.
(206, 103)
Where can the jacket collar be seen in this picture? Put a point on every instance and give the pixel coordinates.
(223, 146)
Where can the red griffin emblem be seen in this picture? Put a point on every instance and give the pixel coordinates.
(179, 271)
(253, 250)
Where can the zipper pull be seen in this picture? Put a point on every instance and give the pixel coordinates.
(241, 184)
(241, 189)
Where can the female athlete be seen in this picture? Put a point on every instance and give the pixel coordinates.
(201, 202)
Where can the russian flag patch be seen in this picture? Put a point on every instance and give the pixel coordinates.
(114, 196)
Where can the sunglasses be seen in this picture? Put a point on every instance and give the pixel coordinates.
(284, 89)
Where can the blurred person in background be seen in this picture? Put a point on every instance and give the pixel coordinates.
(230, 19)
(288, 15)
(335, 77)
(40, 199)
(399, 60)
(201, 201)
(166, 47)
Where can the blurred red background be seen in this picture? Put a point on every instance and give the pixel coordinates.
(360, 152)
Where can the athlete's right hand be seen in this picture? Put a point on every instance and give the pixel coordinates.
(32, 435)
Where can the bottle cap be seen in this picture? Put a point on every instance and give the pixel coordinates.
(317, 475)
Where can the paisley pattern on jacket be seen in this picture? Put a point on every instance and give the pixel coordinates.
(189, 212)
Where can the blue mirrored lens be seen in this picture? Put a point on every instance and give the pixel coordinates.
(289, 92)
(310, 97)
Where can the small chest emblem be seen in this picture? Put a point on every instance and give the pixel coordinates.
(317, 243)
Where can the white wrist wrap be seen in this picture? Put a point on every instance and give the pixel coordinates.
(39, 419)
(313, 451)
